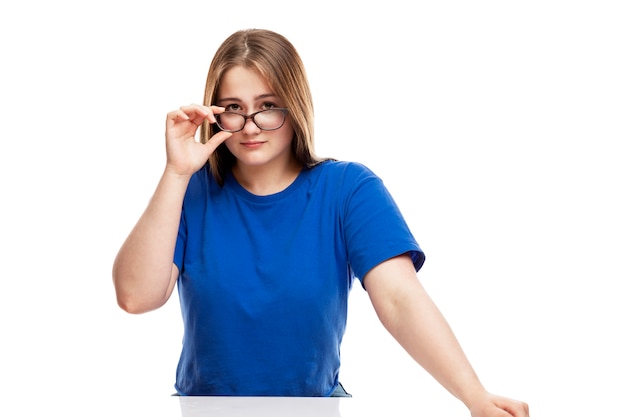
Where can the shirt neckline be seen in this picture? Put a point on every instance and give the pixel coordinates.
(231, 183)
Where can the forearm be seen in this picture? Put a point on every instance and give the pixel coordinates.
(142, 271)
(411, 317)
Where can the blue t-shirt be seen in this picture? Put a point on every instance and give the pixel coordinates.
(264, 280)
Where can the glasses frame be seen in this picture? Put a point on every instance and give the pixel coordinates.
(251, 116)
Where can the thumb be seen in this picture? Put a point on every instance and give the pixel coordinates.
(216, 140)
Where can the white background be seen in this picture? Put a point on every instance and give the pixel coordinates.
(498, 126)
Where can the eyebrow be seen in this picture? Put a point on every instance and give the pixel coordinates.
(257, 98)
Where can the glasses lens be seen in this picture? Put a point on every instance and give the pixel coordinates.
(269, 119)
(230, 121)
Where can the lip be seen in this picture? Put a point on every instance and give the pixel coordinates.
(252, 144)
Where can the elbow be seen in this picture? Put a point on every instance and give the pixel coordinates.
(137, 294)
(139, 305)
(125, 301)
(135, 301)
(131, 306)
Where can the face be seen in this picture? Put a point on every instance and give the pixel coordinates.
(245, 91)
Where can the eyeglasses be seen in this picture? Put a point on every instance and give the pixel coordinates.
(270, 119)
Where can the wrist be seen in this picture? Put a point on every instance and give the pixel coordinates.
(171, 173)
(473, 397)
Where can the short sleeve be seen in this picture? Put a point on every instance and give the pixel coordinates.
(373, 225)
(179, 251)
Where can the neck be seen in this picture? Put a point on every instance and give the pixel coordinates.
(266, 180)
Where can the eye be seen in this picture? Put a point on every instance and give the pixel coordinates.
(268, 105)
(233, 107)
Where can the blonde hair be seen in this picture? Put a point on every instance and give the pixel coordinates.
(277, 60)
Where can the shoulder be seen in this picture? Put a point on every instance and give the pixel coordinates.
(201, 184)
(344, 170)
(343, 180)
(199, 178)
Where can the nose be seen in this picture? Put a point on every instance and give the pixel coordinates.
(250, 128)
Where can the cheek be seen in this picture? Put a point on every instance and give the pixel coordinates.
(287, 132)
(285, 141)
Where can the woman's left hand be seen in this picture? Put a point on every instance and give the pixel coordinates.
(496, 406)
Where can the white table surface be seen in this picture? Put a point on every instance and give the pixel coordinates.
(259, 407)
(283, 407)
(165, 406)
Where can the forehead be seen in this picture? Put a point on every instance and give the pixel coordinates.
(241, 82)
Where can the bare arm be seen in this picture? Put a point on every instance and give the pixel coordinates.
(143, 272)
(144, 275)
(409, 314)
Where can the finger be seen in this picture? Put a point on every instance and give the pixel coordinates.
(198, 113)
(176, 120)
(217, 139)
(194, 108)
(514, 407)
(177, 116)
(195, 114)
(212, 111)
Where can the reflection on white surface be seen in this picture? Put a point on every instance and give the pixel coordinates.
(259, 407)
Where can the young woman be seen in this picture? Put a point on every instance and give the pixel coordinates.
(264, 240)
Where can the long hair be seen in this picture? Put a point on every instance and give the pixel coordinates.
(277, 60)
